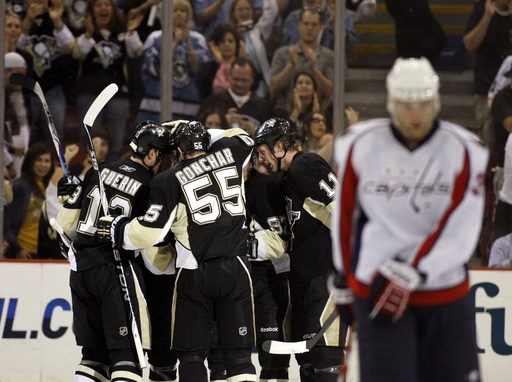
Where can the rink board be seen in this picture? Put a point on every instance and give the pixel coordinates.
(37, 343)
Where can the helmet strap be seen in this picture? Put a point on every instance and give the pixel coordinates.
(279, 159)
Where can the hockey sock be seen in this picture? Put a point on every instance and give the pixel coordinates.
(275, 374)
(157, 374)
(126, 371)
(307, 373)
(218, 375)
(328, 374)
(88, 371)
(192, 369)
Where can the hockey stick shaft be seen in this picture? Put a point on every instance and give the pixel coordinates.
(96, 107)
(32, 85)
(279, 347)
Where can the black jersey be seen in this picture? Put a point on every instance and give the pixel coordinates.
(202, 202)
(127, 190)
(45, 46)
(308, 187)
(267, 210)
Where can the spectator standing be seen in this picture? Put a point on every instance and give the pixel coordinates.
(405, 254)
(501, 252)
(48, 41)
(291, 34)
(225, 46)
(305, 55)
(103, 51)
(17, 131)
(12, 31)
(238, 101)
(255, 32)
(190, 51)
(304, 99)
(501, 111)
(211, 13)
(487, 35)
(417, 32)
(21, 229)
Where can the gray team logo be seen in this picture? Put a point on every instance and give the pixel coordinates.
(107, 52)
(43, 50)
(123, 331)
(242, 330)
(127, 168)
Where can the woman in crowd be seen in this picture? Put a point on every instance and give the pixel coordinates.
(189, 52)
(316, 134)
(213, 118)
(304, 99)
(103, 50)
(21, 226)
(225, 45)
(255, 32)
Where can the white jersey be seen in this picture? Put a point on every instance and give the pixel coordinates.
(423, 206)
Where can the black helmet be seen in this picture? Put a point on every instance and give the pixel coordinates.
(191, 136)
(151, 135)
(273, 130)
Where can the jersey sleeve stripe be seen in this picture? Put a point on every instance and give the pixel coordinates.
(459, 190)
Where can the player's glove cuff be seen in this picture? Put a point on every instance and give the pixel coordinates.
(342, 296)
(391, 289)
(111, 229)
(66, 187)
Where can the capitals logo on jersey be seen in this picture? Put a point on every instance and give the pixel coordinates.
(43, 50)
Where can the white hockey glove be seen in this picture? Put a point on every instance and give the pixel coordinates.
(391, 289)
(342, 296)
(111, 229)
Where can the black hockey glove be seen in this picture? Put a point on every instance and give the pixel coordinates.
(391, 289)
(111, 229)
(342, 296)
(64, 249)
(66, 187)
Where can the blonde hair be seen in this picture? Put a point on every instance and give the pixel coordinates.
(185, 4)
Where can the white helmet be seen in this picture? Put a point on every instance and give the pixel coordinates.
(412, 80)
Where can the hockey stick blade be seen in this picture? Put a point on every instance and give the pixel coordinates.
(23, 80)
(280, 347)
(32, 85)
(99, 103)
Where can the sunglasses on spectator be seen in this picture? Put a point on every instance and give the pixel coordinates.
(312, 8)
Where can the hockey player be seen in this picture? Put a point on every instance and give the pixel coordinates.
(308, 187)
(100, 317)
(200, 203)
(408, 215)
(270, 265)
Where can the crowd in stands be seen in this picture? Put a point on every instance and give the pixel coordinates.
(235, 63)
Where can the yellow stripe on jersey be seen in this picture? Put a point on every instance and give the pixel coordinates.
(141, 236)
(67, 218)
(319, 211)
(160, 257)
